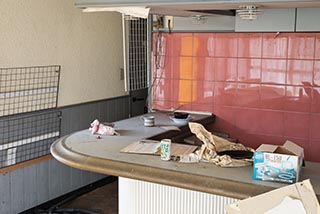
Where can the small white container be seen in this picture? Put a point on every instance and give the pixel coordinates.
(165, 145)
(148, 120)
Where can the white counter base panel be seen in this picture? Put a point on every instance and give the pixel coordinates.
(140, 197)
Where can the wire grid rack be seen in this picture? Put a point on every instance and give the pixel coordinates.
(137, 54)
(28, 136)
(27, 89)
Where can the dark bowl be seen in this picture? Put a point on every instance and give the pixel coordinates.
(180, 115)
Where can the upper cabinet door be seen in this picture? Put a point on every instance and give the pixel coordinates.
(271, 20)
(308, 19)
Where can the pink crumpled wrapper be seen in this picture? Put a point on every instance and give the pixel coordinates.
(96, 127)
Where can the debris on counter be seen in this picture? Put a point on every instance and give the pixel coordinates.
(298, 198)
(193, 140)
(152, 147)
(96, 127)
(143, 147)
(165, 151)
(170, 128)
(191, 158)
(219, 150)
(278, 163)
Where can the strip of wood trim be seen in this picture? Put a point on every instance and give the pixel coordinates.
(25, 163)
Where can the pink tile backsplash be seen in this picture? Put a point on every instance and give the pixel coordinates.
(182, 44)
(315, 104)
(181, 91)
(273, 71)
(203, 68)
(225, 69)
(317, 46)
(162, 89)
(316, 73)
(225, 93)
(301, 46)
(202, 107)
(313, 153)
(250, 45)
(161, 104)
(272, 96)
(226, 45)
(315, 124)
(162, 44)
(299, 72)
(203, 44)
(249, 70)
(202, 92)
(268, 119)
(296, 125)
(248, 95)
(275, 46)
(181, 67)
(163, 67)
(298, 99)
(248, 120)
(226, 118)
(262, 87)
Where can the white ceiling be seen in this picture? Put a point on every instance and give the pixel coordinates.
(182, 10)
(181, 7)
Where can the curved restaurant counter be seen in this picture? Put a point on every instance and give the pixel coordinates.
(85, 151)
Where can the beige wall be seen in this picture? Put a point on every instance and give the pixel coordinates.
(88, 46)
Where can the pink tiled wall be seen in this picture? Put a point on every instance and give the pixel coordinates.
(263, 87)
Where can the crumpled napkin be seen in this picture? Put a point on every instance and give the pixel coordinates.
(96, 127)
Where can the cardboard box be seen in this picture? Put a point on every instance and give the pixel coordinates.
(278, 163)
(261, 204)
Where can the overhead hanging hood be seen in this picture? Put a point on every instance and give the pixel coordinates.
(189, 7)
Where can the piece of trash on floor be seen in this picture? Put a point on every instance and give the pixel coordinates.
(275, 200)
(96, 127)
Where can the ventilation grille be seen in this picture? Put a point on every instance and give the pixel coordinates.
(135, 43)
(27, 89)
(27, 137)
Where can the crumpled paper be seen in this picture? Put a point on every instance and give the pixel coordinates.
(212, 145)
(96, 127)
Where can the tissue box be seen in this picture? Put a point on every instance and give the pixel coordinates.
(278, 163)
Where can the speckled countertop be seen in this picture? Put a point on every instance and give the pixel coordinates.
(84, 151)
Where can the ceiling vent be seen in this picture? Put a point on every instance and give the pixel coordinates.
(249, 12)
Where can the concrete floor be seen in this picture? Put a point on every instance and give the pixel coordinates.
(103, 200)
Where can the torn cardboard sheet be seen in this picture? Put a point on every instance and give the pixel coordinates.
(272, 201)
(215, 149)
(152, 147)
(288, 205)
